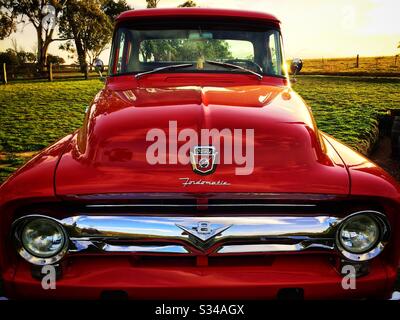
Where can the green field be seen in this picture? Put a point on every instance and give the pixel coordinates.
(348, 107)
(33, 115)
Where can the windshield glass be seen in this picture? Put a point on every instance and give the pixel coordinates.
(139, 49)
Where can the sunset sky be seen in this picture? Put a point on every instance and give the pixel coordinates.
(311, 28)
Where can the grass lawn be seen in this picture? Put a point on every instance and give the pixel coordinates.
(348, 107)
(35, 114)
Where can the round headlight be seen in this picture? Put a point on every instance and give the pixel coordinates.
(359, 234)
(43, 237)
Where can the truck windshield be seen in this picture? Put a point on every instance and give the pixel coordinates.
(138, 49)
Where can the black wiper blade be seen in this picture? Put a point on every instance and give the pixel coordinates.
(234, 66)
(172, 66)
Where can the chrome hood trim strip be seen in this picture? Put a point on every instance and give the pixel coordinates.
(128, 205)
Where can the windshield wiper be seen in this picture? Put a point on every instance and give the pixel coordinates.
(234, 66)
(172, 66)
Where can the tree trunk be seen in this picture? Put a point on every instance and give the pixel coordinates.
(44, 51)
(79, 47)
(81, 55)
(86, 72)
(43, 48)
(40, 61)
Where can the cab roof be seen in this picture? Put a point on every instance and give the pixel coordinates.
(197, 12)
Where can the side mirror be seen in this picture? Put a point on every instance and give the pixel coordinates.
(296, 66)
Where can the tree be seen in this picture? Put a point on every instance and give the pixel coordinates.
(7, 23)
(183, 50)
(152, 3)
(161, 49)
(9, 57)
(41, 14)
(89, 23)
(189, 4)
(26, 57)
(55, 59)
(17, 58)
(113, 9)
(90, 28)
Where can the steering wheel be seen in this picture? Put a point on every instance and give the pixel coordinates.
(249, 64)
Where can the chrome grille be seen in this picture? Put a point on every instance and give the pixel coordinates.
(179, 235)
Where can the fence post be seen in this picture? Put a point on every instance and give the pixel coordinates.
(50, 71)
(4, 73)
(86, 71)
(358, 61)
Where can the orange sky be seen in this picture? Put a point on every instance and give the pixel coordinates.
(311, 28)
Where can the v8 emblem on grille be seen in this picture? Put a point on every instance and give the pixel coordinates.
(204, 230)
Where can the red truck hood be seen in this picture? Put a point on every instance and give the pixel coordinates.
(108, 155)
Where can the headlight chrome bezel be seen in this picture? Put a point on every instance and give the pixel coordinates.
(383, 237)
(18, 227)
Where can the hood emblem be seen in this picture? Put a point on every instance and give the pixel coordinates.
(203, 159)
(204, 230)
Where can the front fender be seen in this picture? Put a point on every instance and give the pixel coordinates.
(34, 182)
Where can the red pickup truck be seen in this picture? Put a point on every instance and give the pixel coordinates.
(199, 173)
